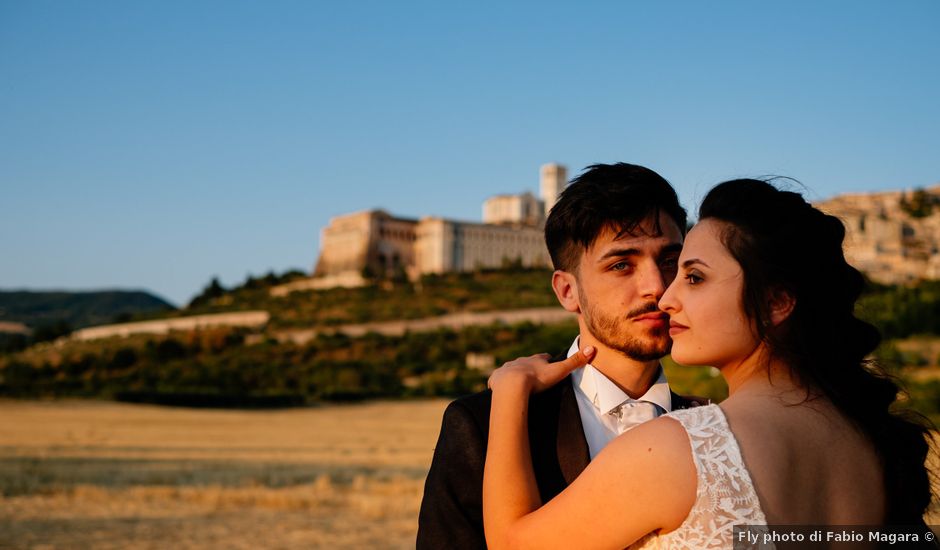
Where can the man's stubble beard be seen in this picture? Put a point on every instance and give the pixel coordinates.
(612, 332)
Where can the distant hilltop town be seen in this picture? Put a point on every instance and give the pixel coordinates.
(893, 237)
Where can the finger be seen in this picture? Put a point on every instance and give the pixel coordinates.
(581, 358)
(561, 369)
(537, 360)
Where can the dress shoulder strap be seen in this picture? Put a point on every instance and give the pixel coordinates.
(702, 422)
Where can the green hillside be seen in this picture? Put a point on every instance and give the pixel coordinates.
(241, 367)
(384, 301)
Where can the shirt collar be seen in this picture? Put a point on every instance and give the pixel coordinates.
(605, 395)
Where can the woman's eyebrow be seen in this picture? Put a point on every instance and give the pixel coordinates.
(692, 261)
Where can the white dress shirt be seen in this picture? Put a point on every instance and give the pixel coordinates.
(606, 410)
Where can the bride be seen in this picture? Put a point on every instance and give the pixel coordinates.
(805, 437)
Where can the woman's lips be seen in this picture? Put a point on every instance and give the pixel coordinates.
(676, 328)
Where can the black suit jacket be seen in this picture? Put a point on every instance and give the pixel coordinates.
(452, 508)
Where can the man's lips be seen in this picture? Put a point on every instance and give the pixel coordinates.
(659, 318)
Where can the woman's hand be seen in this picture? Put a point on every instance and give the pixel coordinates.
(534, 373)
(510, 490)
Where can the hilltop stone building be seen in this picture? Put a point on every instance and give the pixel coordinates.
(525, 209)
(372, 239)
(374, 242)
(887, 237)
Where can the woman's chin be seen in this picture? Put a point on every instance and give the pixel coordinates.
(686, 359)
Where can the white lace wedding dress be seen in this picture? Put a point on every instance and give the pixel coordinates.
(725, 496)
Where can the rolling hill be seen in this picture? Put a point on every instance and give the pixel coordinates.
(76, 309)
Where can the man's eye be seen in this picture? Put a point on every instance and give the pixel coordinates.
(670, 263)
(620, 266)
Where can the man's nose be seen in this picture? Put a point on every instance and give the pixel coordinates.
(652, 282)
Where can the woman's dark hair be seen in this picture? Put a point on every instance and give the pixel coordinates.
(784, 244)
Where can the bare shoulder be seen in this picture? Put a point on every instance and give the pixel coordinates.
(660, 447)
(664, 436)
(661, 451)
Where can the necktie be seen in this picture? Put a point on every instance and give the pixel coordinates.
(631, 413)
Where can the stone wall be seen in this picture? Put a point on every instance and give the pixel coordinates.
(247, 319)
(446, 245)
(513, 209)
(346, 279)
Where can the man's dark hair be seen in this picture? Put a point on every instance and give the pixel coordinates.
(617, 196)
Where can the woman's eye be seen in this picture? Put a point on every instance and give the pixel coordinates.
(693, 279)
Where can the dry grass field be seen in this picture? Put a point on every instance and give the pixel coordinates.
(84, 474)
(80, 474)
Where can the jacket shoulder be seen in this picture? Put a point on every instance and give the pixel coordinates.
(474, 401)
(680, 402)
(476, 406)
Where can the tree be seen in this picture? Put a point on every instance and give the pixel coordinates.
(51, 331)
(212, 291)
(920, 205)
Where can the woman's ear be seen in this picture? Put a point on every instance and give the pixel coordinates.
(565, 285)
(781, 305)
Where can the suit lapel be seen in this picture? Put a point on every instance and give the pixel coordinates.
(573, 454)
(679, 402)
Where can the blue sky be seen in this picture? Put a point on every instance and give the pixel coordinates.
(157, 144)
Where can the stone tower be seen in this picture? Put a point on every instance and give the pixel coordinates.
(554, 180)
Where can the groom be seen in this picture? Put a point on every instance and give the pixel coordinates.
(614, 237)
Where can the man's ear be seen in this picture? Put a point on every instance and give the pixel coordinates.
(781, 305)
(565, 285)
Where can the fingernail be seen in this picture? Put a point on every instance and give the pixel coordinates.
(588, 350)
